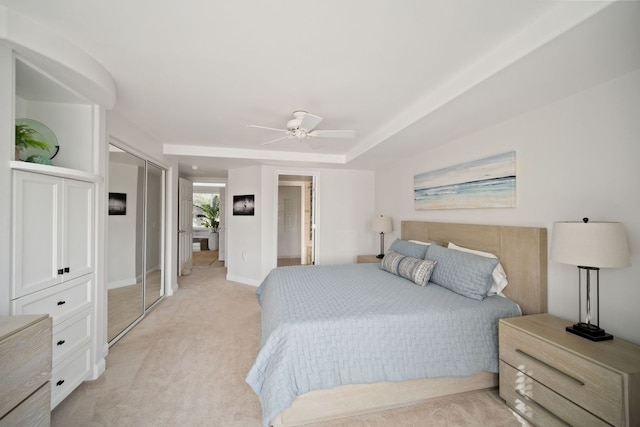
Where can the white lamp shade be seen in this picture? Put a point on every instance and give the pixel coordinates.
(382, 224)
(590, 244)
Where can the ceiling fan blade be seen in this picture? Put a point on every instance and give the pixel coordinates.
(309, 122)
(264, 127)
(333, 133)
(277, 139)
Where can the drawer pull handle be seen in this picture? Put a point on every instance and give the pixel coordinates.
(67, 269)
(59, 383)
(60, 342)
(60, 271)
(538, 406)
(550, 367)
(62, 302)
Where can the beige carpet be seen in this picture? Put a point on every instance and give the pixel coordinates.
(206, 259)
(185, 363)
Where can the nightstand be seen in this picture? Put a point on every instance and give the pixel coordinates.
(363, 259)
(25, 370)
(552, 377)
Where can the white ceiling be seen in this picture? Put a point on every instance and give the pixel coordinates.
(404, 75)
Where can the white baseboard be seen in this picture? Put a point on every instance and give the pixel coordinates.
(98, 369)
(121, 283)
(243, 280)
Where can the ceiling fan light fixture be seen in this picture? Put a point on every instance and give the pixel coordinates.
(293, 124)
(303, 126)
(300, 134)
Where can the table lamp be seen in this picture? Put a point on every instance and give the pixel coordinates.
(590, 246)
(381, 224)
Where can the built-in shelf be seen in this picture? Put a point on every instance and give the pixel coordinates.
(56, 171)
(70, 117)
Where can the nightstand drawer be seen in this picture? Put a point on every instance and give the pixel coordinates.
(35, 411)
(540, 404)
(25, 358)
(586, 383)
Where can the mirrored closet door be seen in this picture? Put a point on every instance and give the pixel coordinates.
(135, 250)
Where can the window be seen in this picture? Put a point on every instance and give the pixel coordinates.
(198, 200)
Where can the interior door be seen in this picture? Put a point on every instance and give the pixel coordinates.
(298, 215)
(154, 235)
(185, 229)
(222, 229)
(289, 222)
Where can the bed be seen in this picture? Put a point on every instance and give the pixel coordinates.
(395, 354)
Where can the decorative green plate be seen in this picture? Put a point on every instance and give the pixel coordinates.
(44, 134)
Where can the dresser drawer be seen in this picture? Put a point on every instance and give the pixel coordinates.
(60, 301)
(71, 335)
(69, 373)
(32, 412)
(539, 404)
(588, 384)
(25, 362)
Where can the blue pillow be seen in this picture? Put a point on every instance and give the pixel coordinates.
(407, 248)
(464, 273)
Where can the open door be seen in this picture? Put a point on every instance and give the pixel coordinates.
(296, 220)
(222, 247)
(185, 228)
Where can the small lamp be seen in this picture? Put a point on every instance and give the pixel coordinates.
(381, 225)
(590, 246)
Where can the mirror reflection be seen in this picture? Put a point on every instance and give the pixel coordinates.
(125, 223)
(135, 260)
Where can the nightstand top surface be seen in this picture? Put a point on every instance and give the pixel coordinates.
(618, 354)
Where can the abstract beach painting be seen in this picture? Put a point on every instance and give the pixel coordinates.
(484, 183)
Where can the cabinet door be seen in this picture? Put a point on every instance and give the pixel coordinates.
(77, 236)
(37, 224)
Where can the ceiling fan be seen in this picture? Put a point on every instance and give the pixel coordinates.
(302, 126)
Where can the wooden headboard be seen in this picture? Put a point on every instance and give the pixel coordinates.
(522, 252)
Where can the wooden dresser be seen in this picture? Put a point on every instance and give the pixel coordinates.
(552, 377)
(25, 370)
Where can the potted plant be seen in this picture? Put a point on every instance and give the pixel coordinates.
(210, 218)
(25, 139)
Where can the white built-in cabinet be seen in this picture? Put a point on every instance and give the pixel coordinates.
(53, 227)
(52, 217)
(52, 254)
(53, 223)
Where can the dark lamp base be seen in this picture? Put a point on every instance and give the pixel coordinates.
(590, 332)
(380, 256)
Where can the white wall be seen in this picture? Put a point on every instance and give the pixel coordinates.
(244, 242)
(576, 158)
(345, 200)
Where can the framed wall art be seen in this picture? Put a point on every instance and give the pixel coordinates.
(117, 203)
(244, 205)
(484, 183)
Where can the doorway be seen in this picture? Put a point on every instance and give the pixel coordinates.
(296, 220)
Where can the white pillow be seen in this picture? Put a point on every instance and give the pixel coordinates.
(418, 242)
(499, 275)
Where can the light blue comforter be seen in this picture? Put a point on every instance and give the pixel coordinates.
(326, 326)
